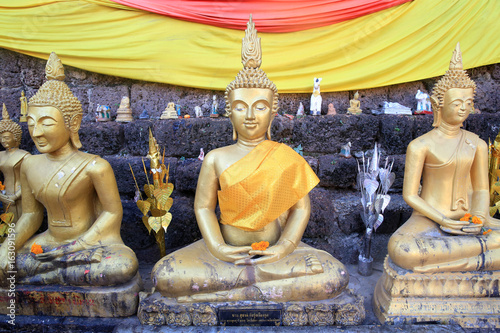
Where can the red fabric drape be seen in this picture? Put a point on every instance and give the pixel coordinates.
(269, 15)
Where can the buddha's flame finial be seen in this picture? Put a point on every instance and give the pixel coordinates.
(5, 114)
(456, 59)
(54, 69)
(251, 52)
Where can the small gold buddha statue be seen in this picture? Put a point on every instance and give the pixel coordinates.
(124, 112)
(354, 105)
(452, 166)
(10, 164)
(24, 107)
(82, 245)
(169, 112)
(262, 188)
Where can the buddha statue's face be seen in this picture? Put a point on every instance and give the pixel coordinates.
(8, 140)
(457, 104)
(251, 111)
(47, 128)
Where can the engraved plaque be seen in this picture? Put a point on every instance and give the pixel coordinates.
(261, 315)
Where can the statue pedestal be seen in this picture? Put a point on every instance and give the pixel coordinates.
(58, 300)
(345, 309)
(124, 116)
(470, 299)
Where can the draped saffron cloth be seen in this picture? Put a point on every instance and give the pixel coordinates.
(261, 186)
(272, 15)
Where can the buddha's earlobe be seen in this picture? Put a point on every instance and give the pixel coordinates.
(436, 110)
(74, 126)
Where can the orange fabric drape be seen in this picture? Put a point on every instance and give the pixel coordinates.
(269, 15)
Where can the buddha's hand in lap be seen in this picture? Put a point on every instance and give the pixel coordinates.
(73, 247)
(460, 227)
(270, 255)
(231, 253)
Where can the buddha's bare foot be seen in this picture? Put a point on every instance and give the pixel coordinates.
(454, 266)
(251, 293)
(313, 263)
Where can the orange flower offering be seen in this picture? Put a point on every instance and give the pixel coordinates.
(2, 186)
(260, 246)
(466, 217)
(476, 220)
(486, 231)
(36, 249)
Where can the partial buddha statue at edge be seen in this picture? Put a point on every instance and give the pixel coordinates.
(262, 189)
(10, 164)
(452, 166)
(82, 245)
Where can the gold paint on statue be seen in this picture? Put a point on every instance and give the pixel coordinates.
(451, 165)
(223, 267)
(82, 245)
(354, 105)
(10, 164)
(494, 173)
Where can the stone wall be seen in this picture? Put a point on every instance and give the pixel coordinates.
(335, 224)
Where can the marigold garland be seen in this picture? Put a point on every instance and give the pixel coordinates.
(260, 246)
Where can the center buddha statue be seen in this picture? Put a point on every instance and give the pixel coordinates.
(82, 245)
(262, 189)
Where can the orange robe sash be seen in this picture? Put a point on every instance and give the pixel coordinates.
(261, 186)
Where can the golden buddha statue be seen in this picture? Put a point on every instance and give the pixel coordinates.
(169, 112)
(82, 245)
(10, 164)
(436, 262)
(262, 188)
(354, 105)
(453, 166)
(24, 107)
(124, 112)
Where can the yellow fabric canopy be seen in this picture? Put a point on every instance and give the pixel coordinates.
(405, 43)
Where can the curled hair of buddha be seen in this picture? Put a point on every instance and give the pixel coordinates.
(54, 92)
(251, 76)
(7, 125)
(455, 77)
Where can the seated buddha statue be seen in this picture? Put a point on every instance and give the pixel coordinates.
(262, 188)
(354, 103)
(451, 165)
(10, 164)
(82, 245)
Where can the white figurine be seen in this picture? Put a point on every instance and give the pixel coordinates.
(198, 112)
(316, 98)
(423, 103)
(300, 110)
(201, 157)
(215, 105)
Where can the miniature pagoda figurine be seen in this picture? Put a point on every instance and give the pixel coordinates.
(447, 255)
(170, 112)
(102, 113)
(423, 103)
(355, 105)
(300, 110)
(24, 107)
(10, 164)
(316, 98)
(254, 251)
(82, 245)
(215, 105)
(198, 112)
(124, 113)
(144, 114)
(331, 110)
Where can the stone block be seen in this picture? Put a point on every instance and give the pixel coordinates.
(183, 229)
(101, 138)
(9, 71)
(110, 96)
(404, 93)
(395, 133)
(326, 135)
(484, 125)
(10, 96)
(322, 221)
(422, 124)
(337, 171)
(372, 99)
(136, 137)
(188, 171)
(185, 137)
